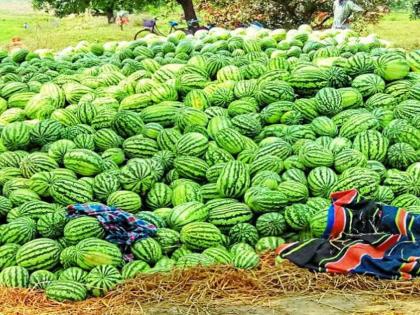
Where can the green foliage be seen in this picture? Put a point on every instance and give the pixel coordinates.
(400, 4)
(62, 8)
(415, 9)
(273, 13)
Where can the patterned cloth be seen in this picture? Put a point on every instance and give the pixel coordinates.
(362, 237)
(121, 227)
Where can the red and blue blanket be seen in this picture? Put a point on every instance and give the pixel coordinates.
(363, 237)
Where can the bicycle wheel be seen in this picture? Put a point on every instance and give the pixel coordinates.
(182, 29)
(142, 31)
(159, 32)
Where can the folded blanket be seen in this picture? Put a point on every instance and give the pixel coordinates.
(121, 227)
(363, 237)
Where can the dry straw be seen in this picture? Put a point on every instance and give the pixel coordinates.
(201, 288)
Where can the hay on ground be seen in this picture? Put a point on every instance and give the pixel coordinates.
(204, 287)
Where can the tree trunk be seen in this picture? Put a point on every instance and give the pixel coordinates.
(188, 7)
(110, 15)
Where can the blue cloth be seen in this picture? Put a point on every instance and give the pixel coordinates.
(121, 227)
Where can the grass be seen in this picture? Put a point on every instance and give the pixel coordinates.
(46, 31)
(399, 29)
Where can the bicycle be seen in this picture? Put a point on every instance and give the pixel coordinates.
(194, 26)
(150, 26)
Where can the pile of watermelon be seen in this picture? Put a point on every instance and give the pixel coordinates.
(229, 142)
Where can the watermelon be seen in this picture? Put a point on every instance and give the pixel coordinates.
(244, 233)
(40, 279)
(102, 279)
(73, 274)
(271, 224)
(41, 253)
(14, 277)
(233, 180)
(81, 228)
(92, 252)
(200, 235)
(66, 290)
(246, 260)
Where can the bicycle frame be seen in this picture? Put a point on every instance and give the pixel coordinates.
(150, 26)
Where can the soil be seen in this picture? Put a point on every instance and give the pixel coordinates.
(297, 305)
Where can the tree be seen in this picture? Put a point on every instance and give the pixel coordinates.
(415, 9)
(106, 7)
(62, 8)
(272, 13)
(188, 7)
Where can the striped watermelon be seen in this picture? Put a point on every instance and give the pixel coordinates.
(321, 180)
(125, 200)
(93, 252)
(328, 101)
(168, 239)
(401, 155)
(364, 180)
(230, 140)
(372, 144)
(148, 250)
(193, 260)
(244, 233)
(348, 158)
(193, 144)
(159, 196)
(40, 279)
(384, 194)
(369, 84)
(137, 176)
(261, 199)
(14, 277)
(219, 254)
(400, 182)
(65, 290)
(186, 213)
(233, 180)
(73, 274)
(15, 136)
(102, 279)
(271, 224)
(227, 215)
(268, 244)
(191, 167)
(8, 255)
(392, 67)
(200, 235)
(51, 225)
(69, 191)
(19, 231)
(297, 216)
(41, 253)
(81, 228)
(186, 191)
(246, 260)
(314, 155)
(83, 162)
(68, 256)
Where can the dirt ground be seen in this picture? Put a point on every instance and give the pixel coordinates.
(325, 304)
